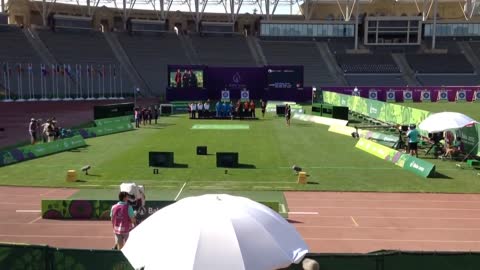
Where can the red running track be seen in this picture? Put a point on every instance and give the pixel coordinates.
(365, 222)
(328, 221)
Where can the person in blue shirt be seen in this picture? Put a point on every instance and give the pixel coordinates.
(224, 109)
(227, 109)
(413, 139)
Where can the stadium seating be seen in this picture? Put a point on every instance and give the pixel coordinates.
(14, 46)
(16, 49)
(439, 63)
(367, 63)
(150, 54)
(375, 80)
(463, 80)
(299, 53)
(223, 50)
(78, 47)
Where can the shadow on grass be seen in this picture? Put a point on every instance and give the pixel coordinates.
(157, 126)
(438, 175)
(79, 149)
(81, 181)
(312, 183)
(180, 166)
(246, 166)
(301, 124)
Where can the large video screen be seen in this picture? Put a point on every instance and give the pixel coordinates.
(290, 77)
(185, 78)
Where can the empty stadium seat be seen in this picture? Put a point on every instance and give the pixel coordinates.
(223, 50)
(367, 63)
(439, 63)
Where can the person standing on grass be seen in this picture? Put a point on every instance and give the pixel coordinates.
(123, 220)
(263, 105)
(32, 129)
(413, 137)
(288, 114)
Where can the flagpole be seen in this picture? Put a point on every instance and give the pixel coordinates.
(19, 82)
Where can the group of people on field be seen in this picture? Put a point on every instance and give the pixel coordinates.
(47, 131)
(146, 115)
(225, 109)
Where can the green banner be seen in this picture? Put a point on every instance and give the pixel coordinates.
(113, 120)
(104, 129)
(39, 150)
(470, 138)
(386, 112)
(100, 209)
(418, 166)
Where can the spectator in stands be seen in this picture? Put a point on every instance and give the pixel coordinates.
(217, 109)
(456, 148)
(413, 138)
(263, 104)
(32, 129)
(206, 109)
(185, 79)
(288, 114)
(178, 79)
(123, 220)
(252, 108)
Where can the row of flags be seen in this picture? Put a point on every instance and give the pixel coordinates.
(425, 95)
(58, 69)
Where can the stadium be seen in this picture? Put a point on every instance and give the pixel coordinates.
(321, 134)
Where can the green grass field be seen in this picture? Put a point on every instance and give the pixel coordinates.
(267, 150)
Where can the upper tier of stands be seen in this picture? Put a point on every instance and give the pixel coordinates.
(367, 63)
(439, 63)
(223, 51)
(78, 47)
(151, 54)
(299, 53)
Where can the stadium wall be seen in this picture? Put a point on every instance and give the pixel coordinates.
(14, 256)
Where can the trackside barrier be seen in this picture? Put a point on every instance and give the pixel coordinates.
(13, 257)
(100, 209)
(418, 166)
(23, 153)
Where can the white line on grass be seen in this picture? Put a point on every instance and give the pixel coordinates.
(27, 211)
(180, 192)
(303, 213)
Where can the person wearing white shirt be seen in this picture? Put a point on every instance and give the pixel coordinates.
(193, 109)
(206, 108)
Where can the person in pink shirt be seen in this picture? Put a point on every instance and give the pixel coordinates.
(123, 220)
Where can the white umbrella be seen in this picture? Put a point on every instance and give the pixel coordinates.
(214, 232)
(439, 122)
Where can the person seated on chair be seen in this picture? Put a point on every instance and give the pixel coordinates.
(456, 148)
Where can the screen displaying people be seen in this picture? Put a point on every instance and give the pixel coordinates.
(186, 78)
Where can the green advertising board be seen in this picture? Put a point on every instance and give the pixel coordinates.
(386, 112)
(470, 138)
(28, 152)
(113, 120)
(100, 209)
(105, 129)
(418, 166)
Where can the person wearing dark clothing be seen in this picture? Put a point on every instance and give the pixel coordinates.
(185, 79)
(264, 107)
(155, 114)
(178, 79)
(288, 114)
